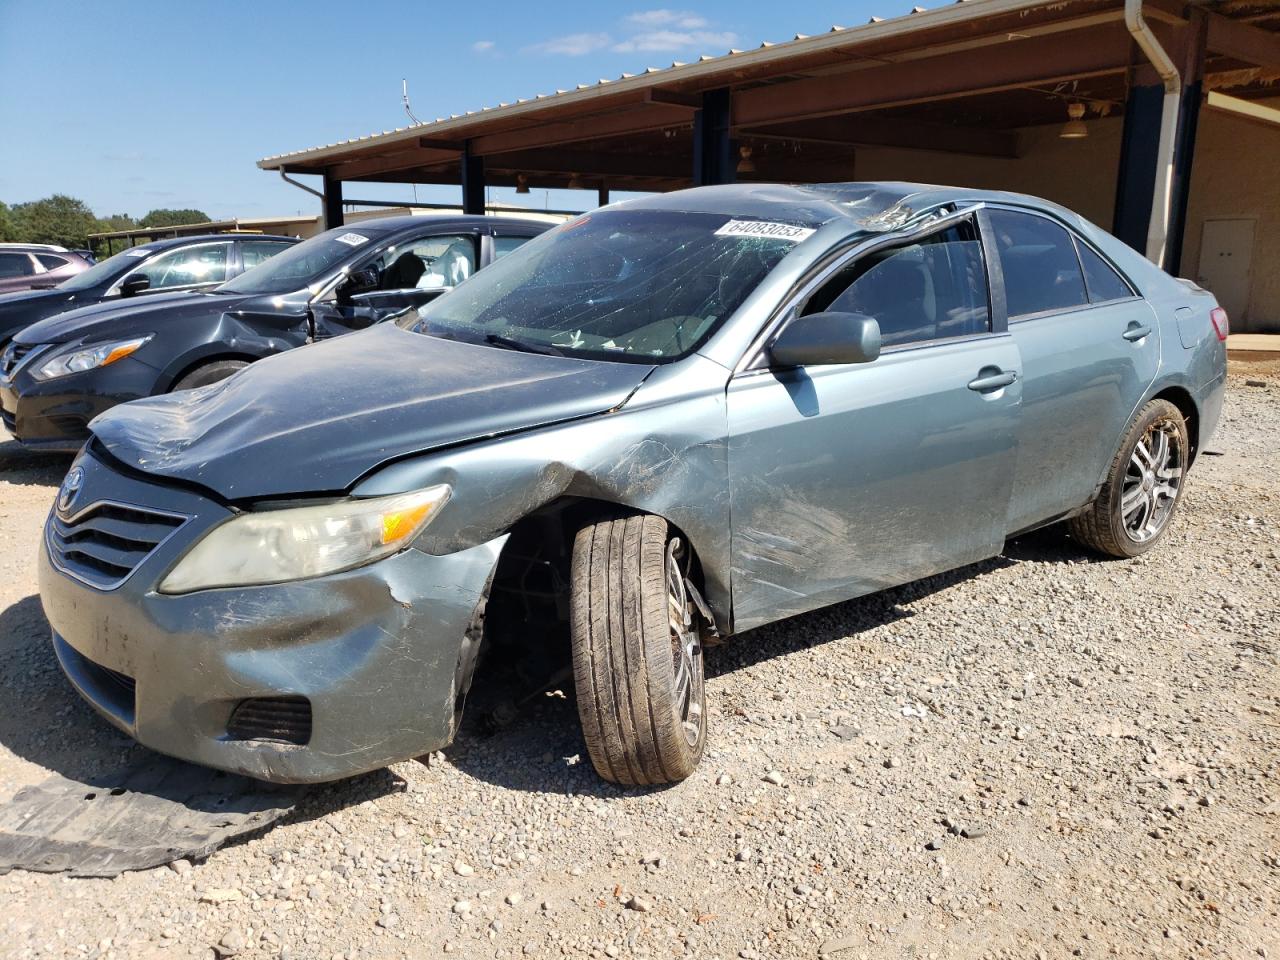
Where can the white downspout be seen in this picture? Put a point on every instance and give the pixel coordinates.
(1162, 195)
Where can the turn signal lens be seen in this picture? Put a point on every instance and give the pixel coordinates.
(1221, 325)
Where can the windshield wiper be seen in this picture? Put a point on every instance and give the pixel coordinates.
(498, 340)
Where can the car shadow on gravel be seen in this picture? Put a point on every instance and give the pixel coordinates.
(540, 749)
(29, 467)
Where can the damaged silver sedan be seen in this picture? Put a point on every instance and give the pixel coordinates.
(662, 423)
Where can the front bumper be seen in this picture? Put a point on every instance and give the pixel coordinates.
(382, 655)
(54, 414)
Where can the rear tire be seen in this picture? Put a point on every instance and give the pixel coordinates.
(637, 652)
(209, 373)
(1133, 509)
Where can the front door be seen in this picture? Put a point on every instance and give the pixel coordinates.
(409, 274)
(847, 479)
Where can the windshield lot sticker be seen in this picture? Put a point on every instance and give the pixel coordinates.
(352, 239)
(138, 252)
(762, 228)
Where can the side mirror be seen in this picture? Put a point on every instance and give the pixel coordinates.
(823, 338)
(134, 286)
(361, 281)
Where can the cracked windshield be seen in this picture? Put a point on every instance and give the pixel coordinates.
(639, 286)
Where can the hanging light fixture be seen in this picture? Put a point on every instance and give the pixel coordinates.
(1075, 128)
(522, 183)
(745, 163)
(575, 182)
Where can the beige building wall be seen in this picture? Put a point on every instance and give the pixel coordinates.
(1235, 176)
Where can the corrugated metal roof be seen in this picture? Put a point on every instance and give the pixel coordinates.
(917, 19)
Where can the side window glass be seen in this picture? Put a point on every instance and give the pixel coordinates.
(254, 252)
(1100, 277)
(504, 245)
(51, 262)
(931, 289)
(1038, 258)
(428, 262)
(16, 265)
(187, 266)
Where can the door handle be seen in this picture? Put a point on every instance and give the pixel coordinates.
(1136, 331)
(987, 382)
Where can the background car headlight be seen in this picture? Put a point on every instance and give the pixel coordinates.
(87, 358)
(273, 546)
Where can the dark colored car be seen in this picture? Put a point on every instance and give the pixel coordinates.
(665, 422)
(59, 374)
(37, 266)
(165, 266)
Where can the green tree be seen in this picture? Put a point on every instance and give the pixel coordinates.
(8, 232)
(56, 219)
(170, 218)
(117, 221)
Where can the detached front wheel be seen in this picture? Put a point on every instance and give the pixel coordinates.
(637, 651)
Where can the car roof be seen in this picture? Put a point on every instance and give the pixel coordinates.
(382, 226)
(872, 206)
(170, 242)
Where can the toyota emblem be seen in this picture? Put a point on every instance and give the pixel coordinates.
(70, 489)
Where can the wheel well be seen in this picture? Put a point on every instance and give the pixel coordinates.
(205, 361)
(529, 598)
(1181, 398)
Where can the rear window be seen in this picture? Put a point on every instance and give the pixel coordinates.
(15, 265)
(1038, 258)
(1102, 280)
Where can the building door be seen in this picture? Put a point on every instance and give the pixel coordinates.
(1226, 260)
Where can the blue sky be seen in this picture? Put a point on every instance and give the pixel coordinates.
(131, 106)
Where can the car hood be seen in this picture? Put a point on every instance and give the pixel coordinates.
(17, 310)
(317, 419)
(113, 318)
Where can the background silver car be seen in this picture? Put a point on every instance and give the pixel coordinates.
(662, 423)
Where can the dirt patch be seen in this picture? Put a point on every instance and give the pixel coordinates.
(1044, 754)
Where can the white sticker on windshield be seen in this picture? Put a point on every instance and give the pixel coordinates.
(138, 252)
(352, 239)
(762, 228)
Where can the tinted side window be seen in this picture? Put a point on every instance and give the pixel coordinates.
(928, 290)
(51, 262)
(187, 266)
(504, 245)
(1041, 271)
(16, 265)
(254, 252)
(1103, 282)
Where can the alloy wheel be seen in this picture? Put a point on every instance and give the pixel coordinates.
(1152, 481)
(686, 643)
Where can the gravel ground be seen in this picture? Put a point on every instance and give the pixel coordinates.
(1041, 755)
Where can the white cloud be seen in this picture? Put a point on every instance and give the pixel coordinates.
(483, 46)
(684, 19)
(673, 40)
(573, 44)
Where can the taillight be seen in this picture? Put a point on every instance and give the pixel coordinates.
(1221, 326)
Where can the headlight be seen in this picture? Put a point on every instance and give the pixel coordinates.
(87, 358)
(273, 546)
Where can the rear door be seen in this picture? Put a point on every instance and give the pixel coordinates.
(1090, 348)
(411, 272)
(846, 479)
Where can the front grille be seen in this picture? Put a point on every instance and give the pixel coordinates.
(13, 355)
(278, 719)
(127, 685)
(106, 542)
